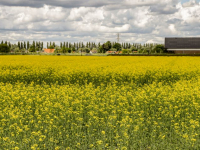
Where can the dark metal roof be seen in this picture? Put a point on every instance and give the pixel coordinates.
(182, 43)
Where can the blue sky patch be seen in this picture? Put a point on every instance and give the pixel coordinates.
(183, 1)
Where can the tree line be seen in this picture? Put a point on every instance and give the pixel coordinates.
(68, 47)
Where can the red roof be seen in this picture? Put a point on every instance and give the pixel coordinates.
(49, 50)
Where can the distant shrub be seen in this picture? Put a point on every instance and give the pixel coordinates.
(4, 48)
(126, 51)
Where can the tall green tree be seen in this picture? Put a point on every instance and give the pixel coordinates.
(22, 45)
(39, 45)
(32, 47)
(160, 48)
(28, 45)
(126, 45)
(101, 49)
(19, 45)
(89, 45)
(4, 48)
(129, 45)
(33, 44)
(51, 47)
(77, 46)
(74, 45)
(117, 46)
(73, 49)
(42, 45)
(10, 45)
(94, 45)
(133, 48)
(107, 46)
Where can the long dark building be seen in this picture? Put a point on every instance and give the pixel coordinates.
(181, 45)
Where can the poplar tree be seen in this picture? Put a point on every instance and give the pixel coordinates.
(93, 45)
(39, 44)
(74, 45)
(28, 46)
(19, 45)
(77, 46)
(24, 44)
(32, 47)
(42, 45)
(99, 44)
(33, 44)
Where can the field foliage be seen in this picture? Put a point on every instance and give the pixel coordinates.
(63, 102)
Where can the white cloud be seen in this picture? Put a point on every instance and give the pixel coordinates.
(137, 21)
(172, 28)
(86, 14)
(190, 3)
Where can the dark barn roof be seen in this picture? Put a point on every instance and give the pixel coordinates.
(182, 43)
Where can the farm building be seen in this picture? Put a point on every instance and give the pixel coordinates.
(49, 50)
(182, 45)
(118, 52)
(93, 51)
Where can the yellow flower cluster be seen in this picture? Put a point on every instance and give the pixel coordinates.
(49, 102)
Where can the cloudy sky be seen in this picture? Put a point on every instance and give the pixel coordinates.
(137, 21)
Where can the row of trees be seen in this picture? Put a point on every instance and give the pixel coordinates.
(35, 46)
(130, 48)
(92, 45)
(108, 46)
(22, 46)
(67, 47)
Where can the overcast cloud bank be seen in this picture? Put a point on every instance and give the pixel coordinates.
(98, 21)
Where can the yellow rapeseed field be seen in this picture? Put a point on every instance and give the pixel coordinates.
(67, 103)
